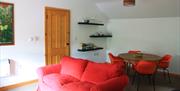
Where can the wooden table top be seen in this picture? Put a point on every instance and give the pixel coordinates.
(140, 56)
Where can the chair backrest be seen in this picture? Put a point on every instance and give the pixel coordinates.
(134, 51)
(114, 58)
(164, 62)
(166, 58)
(146, 67)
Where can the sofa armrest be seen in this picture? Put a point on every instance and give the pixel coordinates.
(114, 84)
(42, 71)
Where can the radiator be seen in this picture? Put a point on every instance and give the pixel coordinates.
(5, 67)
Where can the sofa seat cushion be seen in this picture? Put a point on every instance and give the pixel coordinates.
(99, 72)
(58, 80)
(73, 66)
(77, 86)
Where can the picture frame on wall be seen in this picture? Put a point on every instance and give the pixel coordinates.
(6, 23)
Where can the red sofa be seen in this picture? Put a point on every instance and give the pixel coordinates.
(74, 74)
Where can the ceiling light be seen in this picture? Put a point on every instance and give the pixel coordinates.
(129, 2)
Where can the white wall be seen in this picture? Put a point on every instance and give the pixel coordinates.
(152, 35)
(29, 24)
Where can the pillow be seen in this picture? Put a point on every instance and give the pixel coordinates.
(58, 80)
(99, 72)
(65, 79)
(73, 66)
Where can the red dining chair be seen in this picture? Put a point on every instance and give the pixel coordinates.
(164, 65)
(145, 68)
(134, 51)
(129, 65)
(115, 59)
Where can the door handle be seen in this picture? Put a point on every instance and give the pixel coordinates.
(67, 43)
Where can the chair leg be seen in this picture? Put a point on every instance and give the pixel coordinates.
(127, 65)
(153, 79)
(128, 68)
(149, 78)
(164, 73)
(168, 75)
(134, 77)
(138, 82)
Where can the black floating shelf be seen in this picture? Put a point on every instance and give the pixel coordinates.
(91, 49)
(85, 23)
(95, 36)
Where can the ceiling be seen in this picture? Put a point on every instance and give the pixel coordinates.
(142, 8)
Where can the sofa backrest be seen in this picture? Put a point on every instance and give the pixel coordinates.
(99, 72)
(73, 66)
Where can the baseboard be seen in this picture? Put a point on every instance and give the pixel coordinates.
(5, 88)
(175, 75)
(171, 74)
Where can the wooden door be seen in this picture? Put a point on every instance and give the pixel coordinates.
(57, 34)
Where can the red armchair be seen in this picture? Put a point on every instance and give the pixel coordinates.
(74, 74)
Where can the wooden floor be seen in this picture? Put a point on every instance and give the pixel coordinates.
(30, 87)
(162, 84)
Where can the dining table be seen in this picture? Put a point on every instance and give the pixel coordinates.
(140, 56)
(131, 58)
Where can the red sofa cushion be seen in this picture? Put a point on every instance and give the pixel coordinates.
(57, 80)
(114, 84)
(99, 72)
(77, 86)
(65, 79)
(73, 66)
